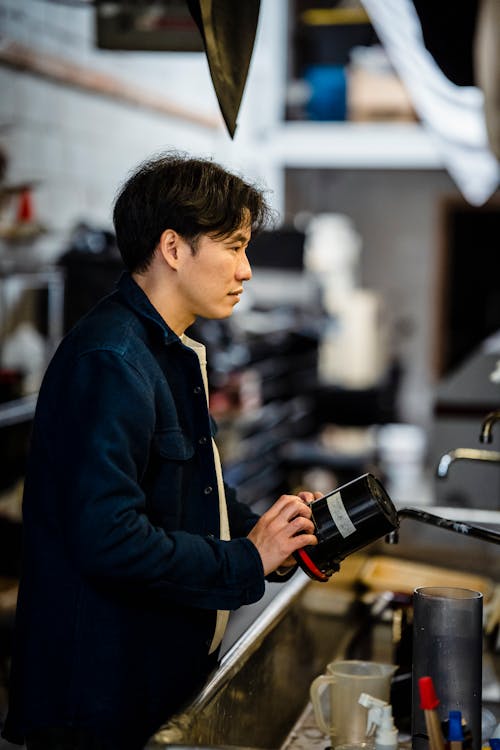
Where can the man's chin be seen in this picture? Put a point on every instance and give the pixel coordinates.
(218, 315)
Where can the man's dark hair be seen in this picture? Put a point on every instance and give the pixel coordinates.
(192, 196)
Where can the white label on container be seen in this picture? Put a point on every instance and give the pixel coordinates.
(340, 515)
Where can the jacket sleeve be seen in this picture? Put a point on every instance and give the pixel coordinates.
(242, 519)
(99, 441)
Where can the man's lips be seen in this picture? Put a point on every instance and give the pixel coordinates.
(236, 293)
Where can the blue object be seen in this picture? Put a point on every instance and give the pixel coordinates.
(328, 85)
(455, 729)
(495, 743)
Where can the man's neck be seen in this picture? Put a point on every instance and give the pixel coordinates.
(161, 292)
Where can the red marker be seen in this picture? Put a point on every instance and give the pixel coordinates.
(429, 702)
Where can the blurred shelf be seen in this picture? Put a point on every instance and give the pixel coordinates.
(26, 277)
(358, 145)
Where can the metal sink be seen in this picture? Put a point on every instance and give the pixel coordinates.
(262, 684)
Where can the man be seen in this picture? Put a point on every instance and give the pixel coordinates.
(134, 548)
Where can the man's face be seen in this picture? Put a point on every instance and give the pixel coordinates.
(211, 279)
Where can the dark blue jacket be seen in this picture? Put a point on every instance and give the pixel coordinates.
(123, 568)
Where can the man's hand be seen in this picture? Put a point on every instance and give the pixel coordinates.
(284, 528)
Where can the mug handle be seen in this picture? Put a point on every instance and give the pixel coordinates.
(317, 687)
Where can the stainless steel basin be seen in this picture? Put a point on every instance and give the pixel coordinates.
(262, 684)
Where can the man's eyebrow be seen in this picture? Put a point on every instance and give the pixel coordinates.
(238, 238)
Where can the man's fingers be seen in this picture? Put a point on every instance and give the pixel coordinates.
(307, 497)
(303, 540)
(281, 504)
(298, 509)
(301, 525)
(288, 507)
(283, 529)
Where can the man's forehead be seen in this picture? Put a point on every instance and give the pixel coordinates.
(241, 233)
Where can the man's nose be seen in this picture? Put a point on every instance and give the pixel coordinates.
(244, 270)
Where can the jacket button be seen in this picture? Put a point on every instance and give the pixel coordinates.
(208, 490)
(202, 440)
(197, 389)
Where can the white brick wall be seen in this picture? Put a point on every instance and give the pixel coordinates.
(80, 146)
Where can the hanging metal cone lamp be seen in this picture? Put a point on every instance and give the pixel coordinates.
(228, 30)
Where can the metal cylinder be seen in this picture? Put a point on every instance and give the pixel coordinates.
(447, 646)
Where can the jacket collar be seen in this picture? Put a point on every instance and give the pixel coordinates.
(132, 294)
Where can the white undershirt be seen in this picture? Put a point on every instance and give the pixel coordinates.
(222, 614)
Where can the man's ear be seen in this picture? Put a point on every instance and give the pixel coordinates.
(169, 247)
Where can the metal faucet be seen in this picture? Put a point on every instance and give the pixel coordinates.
(467, 454)
(459, 527)
(485, 436)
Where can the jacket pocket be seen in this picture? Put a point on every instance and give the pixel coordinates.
(173, 444)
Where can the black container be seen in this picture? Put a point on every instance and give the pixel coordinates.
(346, 520)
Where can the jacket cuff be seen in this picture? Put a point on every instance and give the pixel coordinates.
(249, 558)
